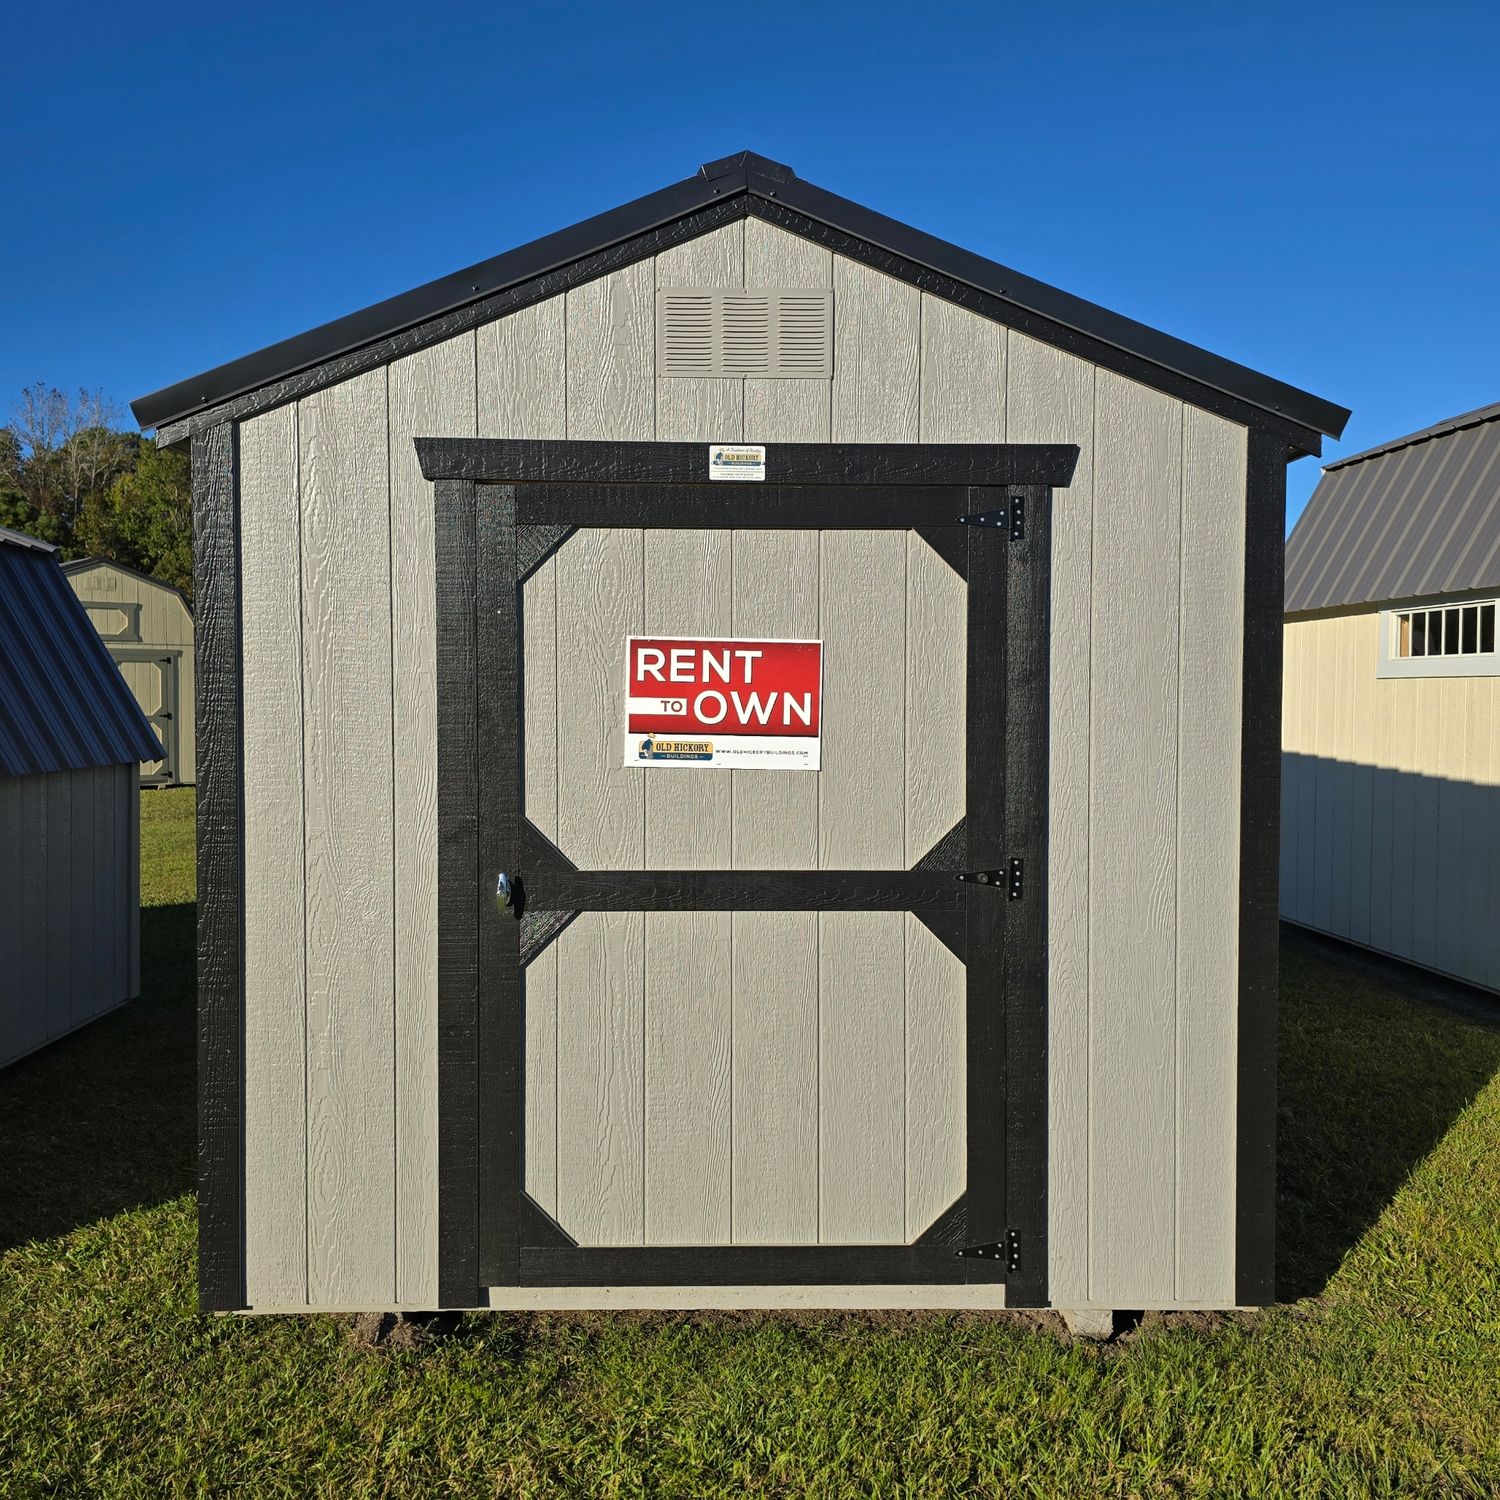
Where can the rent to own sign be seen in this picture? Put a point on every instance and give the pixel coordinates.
(754, 705)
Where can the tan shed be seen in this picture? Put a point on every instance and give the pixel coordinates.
(70, 737)
(1391, 719)
(148, 627)
(854, 667)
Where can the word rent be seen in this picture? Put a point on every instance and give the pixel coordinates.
(754, 704)
(702, 664)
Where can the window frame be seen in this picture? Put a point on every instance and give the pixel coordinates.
(1463, 664)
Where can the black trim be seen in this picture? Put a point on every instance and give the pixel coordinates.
(539, 1229)
(951, 1227)
(596, 477)
(458, 880)
(498, 607)
(1082, 328)
(721, 192)
(984, 828)
(742, 890)
(482, 1125)
(1028, 637)
(752, 1265)
(1260, 842)
(221, 966)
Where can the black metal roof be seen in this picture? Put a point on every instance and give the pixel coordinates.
(750, 177)
(63, 704)
(1409, 519)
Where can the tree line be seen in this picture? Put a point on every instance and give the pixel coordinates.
(71, 474)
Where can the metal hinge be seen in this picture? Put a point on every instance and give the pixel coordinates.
(1007, 1250)
(1013, 516)
(1012, 877)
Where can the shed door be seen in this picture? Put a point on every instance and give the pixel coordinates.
(152, 677)
(750, 1026)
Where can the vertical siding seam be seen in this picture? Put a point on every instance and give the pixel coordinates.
(1088, 885)
(907, 539)
(396, 863)
(733, 855)
(644, 917)
(557, 1198)
(818, 947)
(302, 840)
(1177, 1028)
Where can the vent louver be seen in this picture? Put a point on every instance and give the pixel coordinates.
(786, 335)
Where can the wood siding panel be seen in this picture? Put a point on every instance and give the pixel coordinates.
(349, 793)
(1050, 400)
(611, 356)
(431, 394)
(693, 409)
(275, 936)
(601, 825)
(876, 356)
(774, 826)
(1133, 853)
(962, 376)
(1210, 657)
(689, 1001)
(786, 411)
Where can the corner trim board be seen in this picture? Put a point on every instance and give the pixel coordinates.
(1260, 837)
(221, 876)
(458, 883)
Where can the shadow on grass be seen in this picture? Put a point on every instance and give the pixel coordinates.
(102, 1120)
(1371, 1078)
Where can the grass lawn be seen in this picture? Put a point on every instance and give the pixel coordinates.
(1383, 1378)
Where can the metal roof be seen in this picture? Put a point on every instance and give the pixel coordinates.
(1411, 518)
(775, 187)
(63, 704)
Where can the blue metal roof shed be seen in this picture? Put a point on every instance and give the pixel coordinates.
(71, 740)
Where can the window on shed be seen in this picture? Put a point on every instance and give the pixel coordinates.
(1456, 630)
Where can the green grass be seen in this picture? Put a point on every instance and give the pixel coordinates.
(1383, 1380)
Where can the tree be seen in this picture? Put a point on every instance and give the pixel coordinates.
(64, 450)
(144, 518)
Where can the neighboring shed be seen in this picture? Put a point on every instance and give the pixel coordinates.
(1391, 724)
(148, 627)
(759, 1037)
(70, 738)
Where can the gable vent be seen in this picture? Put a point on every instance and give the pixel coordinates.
(785, 335)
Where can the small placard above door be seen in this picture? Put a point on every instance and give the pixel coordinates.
(745, 704)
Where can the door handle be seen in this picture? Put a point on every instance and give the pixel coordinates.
(508, 893)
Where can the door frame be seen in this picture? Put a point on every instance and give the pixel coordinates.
(168, 661)
(501, 508)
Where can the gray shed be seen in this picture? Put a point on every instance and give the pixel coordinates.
(148, 627)
(1391, 720)
(551, 957)
(71, 736)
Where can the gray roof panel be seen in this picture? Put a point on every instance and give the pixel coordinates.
(63, 704)
(1412, 518)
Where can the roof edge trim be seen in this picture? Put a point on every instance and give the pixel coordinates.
(744, 174)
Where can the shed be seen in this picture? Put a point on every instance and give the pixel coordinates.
(1391, 725)
(958, 991)
(70, 738)
(148, 627)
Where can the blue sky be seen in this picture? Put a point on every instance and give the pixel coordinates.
(1308, 189)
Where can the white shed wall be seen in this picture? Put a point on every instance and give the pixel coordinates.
(339, 714)
(69, 902)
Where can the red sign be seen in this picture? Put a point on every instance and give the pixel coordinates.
(747, 703)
